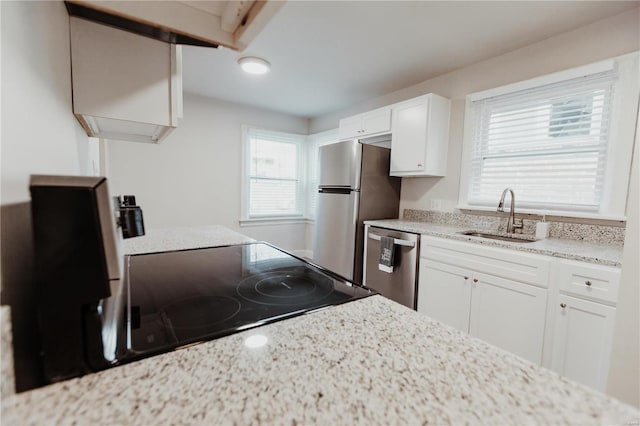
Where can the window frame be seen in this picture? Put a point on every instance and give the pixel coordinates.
(245, 218)
(624, 116)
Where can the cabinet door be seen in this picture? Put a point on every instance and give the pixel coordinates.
(376, 121)
(350, 127)
(409, 136)
(444, 293)
(583, 335)
(509, 314)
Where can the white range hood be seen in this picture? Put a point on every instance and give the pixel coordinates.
(125, 86)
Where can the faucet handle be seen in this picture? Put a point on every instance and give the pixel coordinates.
(518, 225)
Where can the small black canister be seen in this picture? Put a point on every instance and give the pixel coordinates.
(131, 219)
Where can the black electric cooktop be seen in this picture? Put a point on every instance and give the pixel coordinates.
(183, 297)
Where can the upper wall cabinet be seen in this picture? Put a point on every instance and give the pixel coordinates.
(420, 136)
(125, 86)
(372, 123)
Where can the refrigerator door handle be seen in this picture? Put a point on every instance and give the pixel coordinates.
(395, 241)
(334, 190)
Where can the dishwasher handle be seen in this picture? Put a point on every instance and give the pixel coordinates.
(396, 241)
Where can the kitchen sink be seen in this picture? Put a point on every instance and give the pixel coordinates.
(496, 237)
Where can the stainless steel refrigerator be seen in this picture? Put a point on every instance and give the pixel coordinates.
(354, 186)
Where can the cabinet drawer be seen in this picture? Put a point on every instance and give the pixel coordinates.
(595, 282)
(518, 266)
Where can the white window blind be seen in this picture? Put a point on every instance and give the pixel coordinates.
(275, 182)
(549, 143)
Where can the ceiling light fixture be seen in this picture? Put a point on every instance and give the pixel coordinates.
(254, 65)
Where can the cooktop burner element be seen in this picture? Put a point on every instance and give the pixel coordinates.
(183, 297)
(198, 312)
(292, 286)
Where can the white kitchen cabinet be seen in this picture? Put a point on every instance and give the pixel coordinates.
(371, 123)
(495, 294)
(508, 314)
(420, 136)
(583, 321)
(444, 293)
(125, 86)
(528, 268)
(583, 336)
(559, 313)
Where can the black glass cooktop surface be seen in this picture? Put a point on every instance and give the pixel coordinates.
(182, 297)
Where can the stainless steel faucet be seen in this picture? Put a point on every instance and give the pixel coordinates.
(513, 224)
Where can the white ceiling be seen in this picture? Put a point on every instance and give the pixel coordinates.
(328, 55)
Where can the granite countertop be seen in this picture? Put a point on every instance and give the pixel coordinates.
(566, 249)
(168, 239)
(370, 361)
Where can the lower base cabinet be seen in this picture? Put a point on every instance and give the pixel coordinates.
(509, 314)
(505, 313)
(444, 293)
(582, 341)
(558, 313)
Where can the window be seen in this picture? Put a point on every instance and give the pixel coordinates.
(274, 179)
(556, 141)
(280, 179)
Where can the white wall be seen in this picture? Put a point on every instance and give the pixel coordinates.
(624, 375)
(40, 135)
(603, 39)
(193, 177)
(39, 132)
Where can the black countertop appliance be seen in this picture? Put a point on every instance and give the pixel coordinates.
(79, 271)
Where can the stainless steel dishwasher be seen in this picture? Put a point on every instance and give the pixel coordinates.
(400, 285)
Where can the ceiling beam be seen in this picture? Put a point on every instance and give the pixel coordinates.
(257, 18)
(233, 14)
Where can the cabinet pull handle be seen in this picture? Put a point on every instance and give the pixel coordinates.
(563, 305)
(475, 280)
(588, 283)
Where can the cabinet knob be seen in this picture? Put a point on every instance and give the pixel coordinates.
(588, 283)
(475, 280)
(419, 165)
(466, 278)
(563, 305)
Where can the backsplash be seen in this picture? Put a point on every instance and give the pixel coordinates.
(599, 234)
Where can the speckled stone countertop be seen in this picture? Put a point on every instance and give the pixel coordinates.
(371, 361)
(167, 239)
(6, 353)
(567, 249)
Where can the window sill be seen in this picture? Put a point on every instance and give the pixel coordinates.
(274, 221)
